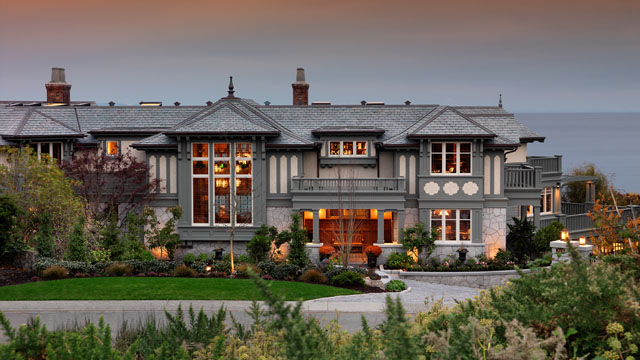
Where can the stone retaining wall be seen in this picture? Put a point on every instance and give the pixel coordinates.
(474, 279)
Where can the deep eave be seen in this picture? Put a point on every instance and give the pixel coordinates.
(451, 136)
(222, 133)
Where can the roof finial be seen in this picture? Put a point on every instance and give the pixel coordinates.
(230, 91)
(500, 101)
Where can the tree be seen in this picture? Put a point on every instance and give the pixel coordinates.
(576, 191)
(77, 248)
(419, 240)
(610, 230)
(44, 238)
(40, 187)
(113, 183)
(296, 236)
(520, 240)
(260, 244)
(165, 238)
(9, 213)
(348, 224)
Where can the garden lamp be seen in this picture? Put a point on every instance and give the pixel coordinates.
(564, 235)
(582, 240)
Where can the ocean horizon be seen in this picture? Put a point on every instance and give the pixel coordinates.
(609, 140)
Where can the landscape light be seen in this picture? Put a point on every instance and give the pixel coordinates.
(582, 240)
(564, 235)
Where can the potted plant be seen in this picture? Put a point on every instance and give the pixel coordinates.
(326, 251)
(372, 251)
(462, 254)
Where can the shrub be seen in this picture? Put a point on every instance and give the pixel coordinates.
(9, 212)
(396, 286)
(55, 272)
(520, 240)
(189, 258)
(184, 271)
(119, 269)
(314, 277)
(348, 279)
(545, 235)
(146, 255)
(296, 236)
(337, 271)
(502, 256)
(242, 270)
(203, 258)
(199, 267)
(77, 248)
(420, 241)
(399, 261)
(44, 237)
(373, 250)
(100, 256)
(259, 246)
(221, 266)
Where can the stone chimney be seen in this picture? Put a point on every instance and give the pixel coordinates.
(300, 89)
(58, 91)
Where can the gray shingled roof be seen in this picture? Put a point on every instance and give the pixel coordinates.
(92, 118)
(508, 129)
(224, 118)
(10, 119)
(157, 140)
(450, 122)
(38, 124)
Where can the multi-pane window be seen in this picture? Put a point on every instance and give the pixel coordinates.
(49, 151)
(453, 224)
(232, 182)
(451, 158)
(547, 200)
(112, 148)
(348, 148)
(200, 179)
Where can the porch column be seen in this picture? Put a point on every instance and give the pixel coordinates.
(557, 200)
(400, 225)
(590, 193)
(316, 227)
(523, 212)
(536, 216)
(380, 226)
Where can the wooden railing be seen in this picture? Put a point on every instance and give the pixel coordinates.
(570, 208)
(549, 164)
(582, 222)
(522, 178)
(299, 184)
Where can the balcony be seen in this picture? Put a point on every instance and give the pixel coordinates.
(549, 164)
(521, 178)
(331, 185)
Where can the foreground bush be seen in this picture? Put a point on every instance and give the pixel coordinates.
(184, 271)
(396, 286)
(348, 279)
(119, 269)
(399, 261)
(314, 277)
(55, 273)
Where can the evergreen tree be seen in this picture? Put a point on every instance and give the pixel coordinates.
(77, 247)
(44, 238)
(296, 236)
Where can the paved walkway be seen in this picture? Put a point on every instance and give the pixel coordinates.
(348, 310)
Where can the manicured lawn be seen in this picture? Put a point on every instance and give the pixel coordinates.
(152, 288)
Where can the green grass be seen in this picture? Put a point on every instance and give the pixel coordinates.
(152, 288)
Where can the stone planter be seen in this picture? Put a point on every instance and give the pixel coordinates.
(462, 256)
(218, 252)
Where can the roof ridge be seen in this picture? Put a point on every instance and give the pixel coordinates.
(414, 124)
(193, 116)
(75, 111)
(278, 126)
(57, 122)
(431, 119)
(239, 112)
(474, 122)
(23, 122)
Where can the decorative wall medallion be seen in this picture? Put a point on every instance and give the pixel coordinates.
(470, 188)
(451, 188)
(431, 188)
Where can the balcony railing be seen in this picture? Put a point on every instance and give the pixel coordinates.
(582, 222)
(522, 178)
(549, 164)
(299, 184)
(570, 208)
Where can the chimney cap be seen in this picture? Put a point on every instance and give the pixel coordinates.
(111, 103)
(300, 78)
(407, 102)
(363, 102)
(209, 103)
(267, 103)
(57, 76)
(177, 103)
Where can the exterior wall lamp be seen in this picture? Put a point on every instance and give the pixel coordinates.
(564, 235)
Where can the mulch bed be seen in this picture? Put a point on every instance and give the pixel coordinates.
(13, 276)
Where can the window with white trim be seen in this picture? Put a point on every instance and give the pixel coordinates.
(200, 183)
(453, 224)
(49, 150)
(222, 183)
(546, 200)
(112, 148)
(348, 148)
(243, 183)
(450, 158)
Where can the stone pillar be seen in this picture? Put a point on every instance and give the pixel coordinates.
(380, 226)
(316, 226)
(400, 225)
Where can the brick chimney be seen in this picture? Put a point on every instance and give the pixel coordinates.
(300, 89)
(58, 91)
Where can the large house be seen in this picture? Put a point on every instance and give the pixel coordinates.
(463, 169)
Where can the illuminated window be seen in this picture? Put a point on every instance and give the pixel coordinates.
(457, 224)
(200, 180)
(348, 148)
(244, 180)
(451, 158)
(222, 183)
(546, 200)
(48, 151)
(112, 148)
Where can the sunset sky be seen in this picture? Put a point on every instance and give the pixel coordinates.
(581, 55)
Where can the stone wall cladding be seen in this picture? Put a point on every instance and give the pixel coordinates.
(473, 279)
(443, 250)
(207, 247)
(411, 217)
(494, 229)
(280, 217)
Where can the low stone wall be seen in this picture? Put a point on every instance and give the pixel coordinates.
(474, 279)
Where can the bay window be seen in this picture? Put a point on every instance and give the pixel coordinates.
(453, 224)
(232, 182)
(49, 151)
(200, 183)
(450, 158)
(347, 148)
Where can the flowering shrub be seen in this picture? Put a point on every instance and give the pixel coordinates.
(327, 250)
(373, 250)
